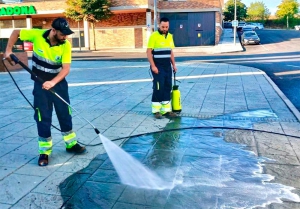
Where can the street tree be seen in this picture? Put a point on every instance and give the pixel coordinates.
(241, 10)
(90, 10)
(287, 10)
(258, 11)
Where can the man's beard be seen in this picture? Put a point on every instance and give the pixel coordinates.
(59, 40)
(163, 32)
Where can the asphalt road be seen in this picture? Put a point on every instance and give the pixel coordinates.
(278, 55)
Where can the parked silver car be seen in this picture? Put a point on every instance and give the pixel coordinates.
(246, 28)
(251, 25)
(297, 27)
(250, 37)
(255, 26)
(242, 24)
(260, 26)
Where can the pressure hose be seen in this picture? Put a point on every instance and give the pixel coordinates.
(36, 78)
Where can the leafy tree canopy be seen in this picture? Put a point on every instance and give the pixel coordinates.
(90, 10)
(258, 11)
(241, 10)
(287, 9)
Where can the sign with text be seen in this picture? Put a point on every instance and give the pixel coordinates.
(235, 23)
(17, 10)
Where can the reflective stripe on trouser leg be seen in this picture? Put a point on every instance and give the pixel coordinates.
(156, 107)
(165, 107)
(69, 138)
(45, 145)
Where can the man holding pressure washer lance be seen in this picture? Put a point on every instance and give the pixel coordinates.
(51, 62)
(161, 56)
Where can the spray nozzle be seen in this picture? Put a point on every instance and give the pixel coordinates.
(97, 131)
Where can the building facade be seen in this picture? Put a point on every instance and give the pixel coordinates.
(193, 22)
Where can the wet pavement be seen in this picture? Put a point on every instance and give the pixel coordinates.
(214, 154)
(208, 170)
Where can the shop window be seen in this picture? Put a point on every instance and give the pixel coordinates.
(20, 23)
(13, 23)
(7, 24)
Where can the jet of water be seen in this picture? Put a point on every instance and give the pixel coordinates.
(131, 171)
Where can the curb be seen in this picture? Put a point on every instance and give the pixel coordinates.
(288, 103)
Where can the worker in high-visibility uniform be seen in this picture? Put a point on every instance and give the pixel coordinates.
(161, 56)
(51, 62)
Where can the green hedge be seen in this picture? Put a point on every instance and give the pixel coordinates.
(281, 23)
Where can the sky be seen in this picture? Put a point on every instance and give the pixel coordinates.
(271, 4)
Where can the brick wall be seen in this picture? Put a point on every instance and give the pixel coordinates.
(124, 19)
(38, 22)
(138, 37)
(219, 30)
(145, 40)
(189, 4)
(113, 38)
(129, 37)
(116, 3)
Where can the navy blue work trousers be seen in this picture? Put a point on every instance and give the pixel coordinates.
(162, 83)
(44, 101)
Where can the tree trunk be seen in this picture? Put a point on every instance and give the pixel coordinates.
(287, 22)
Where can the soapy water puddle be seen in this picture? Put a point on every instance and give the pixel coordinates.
(193, 168)
(132, 172)
(261, 113)
(224, 175)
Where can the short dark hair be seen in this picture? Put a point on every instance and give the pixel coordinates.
(164, 19)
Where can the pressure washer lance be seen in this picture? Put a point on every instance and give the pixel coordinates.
(36, 78)
(176, 101)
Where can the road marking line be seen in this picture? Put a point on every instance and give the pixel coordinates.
(179, 78)
(293, 66)
(288, 72)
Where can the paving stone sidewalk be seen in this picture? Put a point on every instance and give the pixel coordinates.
(115, 97)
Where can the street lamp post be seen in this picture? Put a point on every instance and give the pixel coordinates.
(235, 26)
